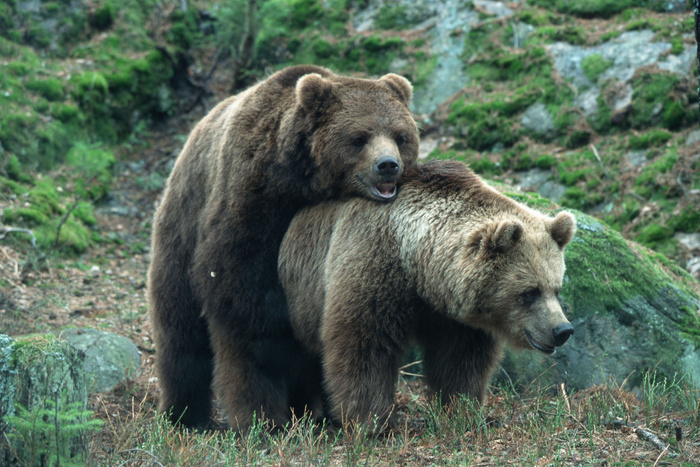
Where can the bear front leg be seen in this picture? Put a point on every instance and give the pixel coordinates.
(458, 359)
(359, 384)
(360, 364)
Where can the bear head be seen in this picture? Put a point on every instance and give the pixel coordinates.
(363, 134)
(522, 277)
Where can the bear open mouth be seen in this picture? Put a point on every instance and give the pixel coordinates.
(540, 346)
(386, 190)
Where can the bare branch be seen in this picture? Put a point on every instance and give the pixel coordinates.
(6, 230)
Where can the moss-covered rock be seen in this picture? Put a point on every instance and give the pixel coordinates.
(632, 310)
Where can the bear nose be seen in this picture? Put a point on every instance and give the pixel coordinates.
(561, 333)
(387, 166)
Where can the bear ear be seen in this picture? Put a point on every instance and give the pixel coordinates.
(400, 86)
(497, 237)
(313, 91)
(562, 228)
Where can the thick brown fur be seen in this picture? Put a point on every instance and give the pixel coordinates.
(219, 317)
(452, 264)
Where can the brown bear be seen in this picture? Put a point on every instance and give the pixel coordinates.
(452, 265)
(218, 312)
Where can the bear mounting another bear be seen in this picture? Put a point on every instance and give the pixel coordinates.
(452, 265)
(219, 316)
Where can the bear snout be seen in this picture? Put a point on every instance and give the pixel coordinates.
(561, 333)
(387, 166)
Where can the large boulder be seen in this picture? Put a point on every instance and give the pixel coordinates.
(109, 358)
(633, 312)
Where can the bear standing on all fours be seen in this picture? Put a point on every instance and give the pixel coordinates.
(452, 265)
(218, 312)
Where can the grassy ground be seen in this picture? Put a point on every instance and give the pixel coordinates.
(603, 425)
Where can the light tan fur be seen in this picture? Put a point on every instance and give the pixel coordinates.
(451, 264)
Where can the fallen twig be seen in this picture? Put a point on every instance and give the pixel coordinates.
(641, 433)
(600, 161)
(652, 438)
(6, 230)
(562, 391)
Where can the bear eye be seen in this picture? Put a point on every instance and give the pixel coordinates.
(400, 140)
(530, 296)
(359, 142)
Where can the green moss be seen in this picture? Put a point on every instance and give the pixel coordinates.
(183, 30)
(15, 171)
(11, 187)
(322, 48)
(572, 34)
(50, 88)
(593, 66)
(610, 35)
(587, 8)
(94, 165)
(652, 234)
(65, 112)
(392, 17)
(688, 221)
(304, 12)
(484, 166)
(91, 82)
(533, 200)
(649, 139)
(648, 178)
(103, 17)
(536, 16)
(26, 216)
(677, 46)
(18, 68)
(639, 24)
(544, 162)
(578, 138)
(654, 101)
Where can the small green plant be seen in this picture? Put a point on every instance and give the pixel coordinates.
(593, 66)
(103, 17)
(52, 434)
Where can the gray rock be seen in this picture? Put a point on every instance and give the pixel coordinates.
(493, 8)
(588, 101)
(631, 316)
(675, 6)
(689, 240)
(626, 53)
(637, 158)
(449, 75)
(693, 266)
(427, 146)
(552, 191)
(109, 358)
(538, 119)
(693, 138)
(532, 179)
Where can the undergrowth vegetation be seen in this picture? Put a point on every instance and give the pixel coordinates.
(534, 426)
